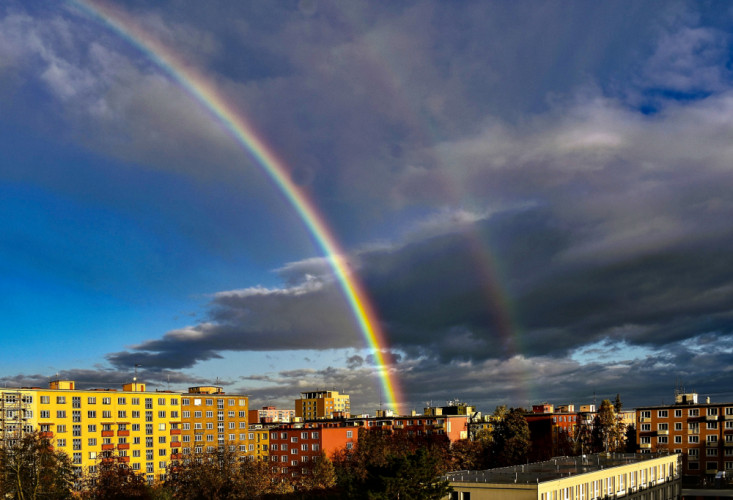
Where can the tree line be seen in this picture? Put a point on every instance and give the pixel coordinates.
(381, 465)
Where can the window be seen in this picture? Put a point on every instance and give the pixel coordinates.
(45, 414)
(693, 439)
(711, 452)
(693, 412)
(122, 414)
(678, 414)
(45, 400)
(106, 414)
(662, 440)
(712, 439)
(678, 426)
(662, 414)
(678, 439)
(209, 414)
(349, 434)
(60, 414)
(161, 414)
(209, 402)
(646, 427)
(646, 414)
(61, 400)
(663, 427)
(92, 441)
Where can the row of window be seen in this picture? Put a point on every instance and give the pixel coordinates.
(303, 435)
(210, 402)
(711, 440)
(76, 415)
(691, 412)
(693, 426)
(210, 414)
(76, 401)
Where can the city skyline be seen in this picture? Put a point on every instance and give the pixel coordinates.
(536, 199)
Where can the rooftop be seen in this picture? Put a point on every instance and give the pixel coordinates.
(550, 470)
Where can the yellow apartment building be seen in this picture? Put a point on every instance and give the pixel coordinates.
(592, 477)
(139, 428)
(322, 405)
(259, 441)
(211, 419)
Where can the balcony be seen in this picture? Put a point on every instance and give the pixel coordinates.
(711, 418)
(175, 432)
(123, 433)
(645, 446)
(123, 446)
(729, 417)
(645, 419)
(663, 432)
(107, 434)
(728, 443)
(108, 447)
(176, 456)
(175, 444)
(693, 431)
(46, 435)
(123, 459)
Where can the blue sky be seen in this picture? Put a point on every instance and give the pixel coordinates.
(536, 196)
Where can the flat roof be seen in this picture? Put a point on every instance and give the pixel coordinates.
(550, 470)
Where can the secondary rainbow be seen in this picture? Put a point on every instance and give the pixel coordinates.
(206, 93)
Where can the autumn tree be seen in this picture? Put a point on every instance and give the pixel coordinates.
(114, 480)
(320, 474)
(32, 470)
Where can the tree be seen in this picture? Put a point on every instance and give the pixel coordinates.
(604, 426)
(385, 464)
(321, 474)
(631, 439)
(115, 481)
(31, 470)
(511, 439)
(212, 475)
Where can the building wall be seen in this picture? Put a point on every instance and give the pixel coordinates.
(142, 429)
(293, 449)
(210, 418)
(702, 433)
(652, 479)
(322, 405)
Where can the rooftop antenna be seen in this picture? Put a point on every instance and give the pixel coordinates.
(134, 379)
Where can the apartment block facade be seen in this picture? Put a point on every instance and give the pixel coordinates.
(139, 428)
(293, 448)
(322, 405)
(210, 419)
(701, 432)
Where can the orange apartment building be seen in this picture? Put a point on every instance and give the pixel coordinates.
(293, 447)
(210, 419)
(701, 432)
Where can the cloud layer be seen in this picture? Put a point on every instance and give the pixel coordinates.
(537, 198)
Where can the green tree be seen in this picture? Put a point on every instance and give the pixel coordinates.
(32, 470)
(381, 461)
(413, 476)
(631, 439)
(511, 439)
(604, 426)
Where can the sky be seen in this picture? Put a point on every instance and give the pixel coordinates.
(537, 198)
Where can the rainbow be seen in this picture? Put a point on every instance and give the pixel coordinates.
(206, 93)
